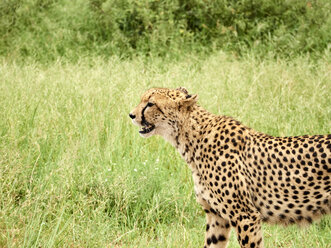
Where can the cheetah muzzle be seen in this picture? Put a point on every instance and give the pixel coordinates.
(241, 177)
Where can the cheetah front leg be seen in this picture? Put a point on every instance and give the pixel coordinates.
(217, 230)
(249, 233)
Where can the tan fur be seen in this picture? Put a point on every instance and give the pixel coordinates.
(241, 177)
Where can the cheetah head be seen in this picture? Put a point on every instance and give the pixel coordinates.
(161, 110)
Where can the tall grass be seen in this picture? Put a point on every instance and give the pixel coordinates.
(75, 172)
(46, 30)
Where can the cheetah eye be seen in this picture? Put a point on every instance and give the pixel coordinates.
(150, 104)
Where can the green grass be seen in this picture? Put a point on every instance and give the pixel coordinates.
(45, 30)
(74, 171)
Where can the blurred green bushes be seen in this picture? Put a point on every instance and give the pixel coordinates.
(51, 28)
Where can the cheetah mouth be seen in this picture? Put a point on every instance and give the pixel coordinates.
(147, 129)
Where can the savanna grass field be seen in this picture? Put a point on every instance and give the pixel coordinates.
(74, 171)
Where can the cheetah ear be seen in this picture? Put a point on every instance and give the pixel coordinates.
(189, 101)
(183, 89)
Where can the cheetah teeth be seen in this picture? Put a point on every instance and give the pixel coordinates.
(147, 130)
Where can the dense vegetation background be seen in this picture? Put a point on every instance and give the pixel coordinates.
(47, 29)
(74, 171)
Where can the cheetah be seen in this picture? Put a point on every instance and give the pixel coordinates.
(241, 177)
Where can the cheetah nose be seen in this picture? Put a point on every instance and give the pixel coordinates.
(132, 116)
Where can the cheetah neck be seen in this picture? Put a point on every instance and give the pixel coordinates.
(191, 129)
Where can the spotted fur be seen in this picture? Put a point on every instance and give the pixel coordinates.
(241, 176)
